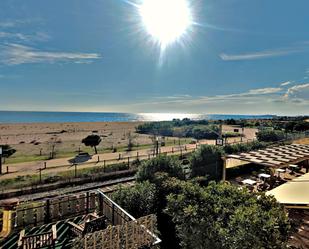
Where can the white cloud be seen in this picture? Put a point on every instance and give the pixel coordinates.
(38, 36)
(252, 95)
(267, 90)
(7, 24)
(298, 92)
(286, 83)
(15, 54)
(258, 55)
(16, 22)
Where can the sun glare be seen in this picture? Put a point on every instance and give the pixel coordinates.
(166, 20)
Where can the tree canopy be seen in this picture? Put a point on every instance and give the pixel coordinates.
(207, 161)
(270, 135)
(224, 216)
(139, 200)
(168, 164)
(92, 141)
(7, 150)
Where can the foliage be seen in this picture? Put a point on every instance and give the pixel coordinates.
(7, 150)
(301, 126)
(168, 164)
(203, 132)
(270, 135)
(130, 138)
(207, 161)
(92, 141)
(139, 200)
(223, 216)
(244, 147)
(199, 129)
(232, 134)
(163, 128)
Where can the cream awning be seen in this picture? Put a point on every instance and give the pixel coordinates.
(295, 192)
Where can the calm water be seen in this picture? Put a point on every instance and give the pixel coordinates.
(58, 117)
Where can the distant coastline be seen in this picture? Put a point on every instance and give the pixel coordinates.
(68, 117)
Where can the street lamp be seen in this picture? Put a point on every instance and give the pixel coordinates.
(0, 160)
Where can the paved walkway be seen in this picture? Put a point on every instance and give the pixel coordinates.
(64, 164)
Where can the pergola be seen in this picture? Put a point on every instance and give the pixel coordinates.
(274, 157)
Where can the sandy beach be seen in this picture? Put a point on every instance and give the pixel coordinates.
(31, 138)
(34, 139)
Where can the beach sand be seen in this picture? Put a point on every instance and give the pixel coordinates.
(31, 138)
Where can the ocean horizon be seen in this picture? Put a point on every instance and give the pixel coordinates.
(67, 117)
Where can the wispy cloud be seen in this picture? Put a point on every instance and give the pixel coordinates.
(259, 55)
(7, 24)
(38, 36)
(15, 54)
(174, 97)
(298, 92)
(248, 96)
(286, 83)
(16, 22)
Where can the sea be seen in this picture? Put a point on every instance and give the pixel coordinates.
(63, 117)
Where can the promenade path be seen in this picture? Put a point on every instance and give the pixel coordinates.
(63, 164)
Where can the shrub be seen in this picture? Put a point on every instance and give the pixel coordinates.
(167, 164)
(270, 135)
(207, 161)
(223, 216)
(139, 200)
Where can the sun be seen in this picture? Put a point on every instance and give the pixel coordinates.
(166, 20)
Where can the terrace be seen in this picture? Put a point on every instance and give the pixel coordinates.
(82, 220)
(269, 168)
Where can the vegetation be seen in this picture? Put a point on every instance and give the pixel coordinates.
(223, 216)
(288, 124)
(201, 129)
(207, 161)
(139, 200)
(168, 164)
(270, 135)
(216, 216)
(7, 150)
(92, 141)
(244, 147)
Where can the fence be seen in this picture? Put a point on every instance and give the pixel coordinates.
(112, 210)
(52, 210)
(134, 234)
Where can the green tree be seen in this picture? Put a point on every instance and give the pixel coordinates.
(92, 141)
(207, 161)
(244, 147)
(270, 135)
(168, 164)
(224, 216)
(7, 150)
(139, 200)
(301, 126)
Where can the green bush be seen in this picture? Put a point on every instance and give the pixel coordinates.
(139, 200)
(244, 147)
(207, 161)
(224, 216)
(167, 164)
(270, 135)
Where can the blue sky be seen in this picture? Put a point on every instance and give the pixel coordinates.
(239, 56)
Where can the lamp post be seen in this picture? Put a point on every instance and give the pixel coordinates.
(0, 160)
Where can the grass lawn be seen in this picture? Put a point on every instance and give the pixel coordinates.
(66, 154)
